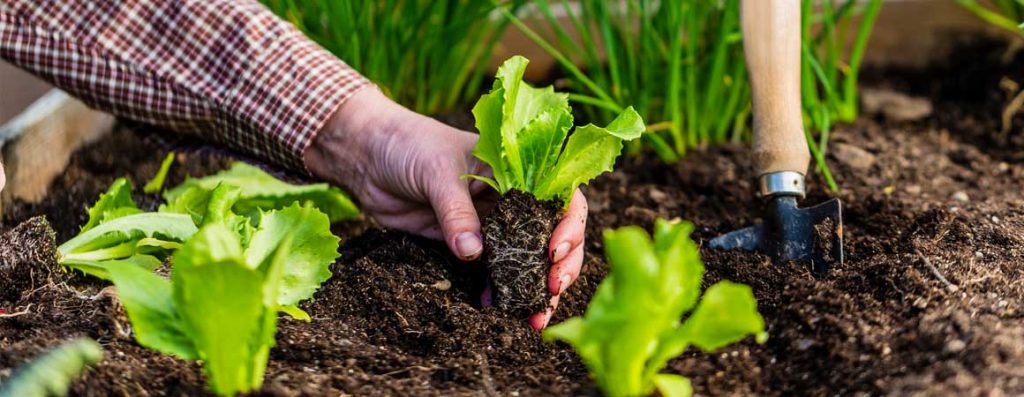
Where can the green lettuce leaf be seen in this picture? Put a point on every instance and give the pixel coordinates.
(221, 303)
(119, 238)
(487, 115)
(113, 204)
(541, 143)
(313, 249)
(193, 201)
(670, 385)
(155, 319)
(632, 327)
(101, 269)
(591, 151)
(261, 191)
(726, 314)
(523, 131)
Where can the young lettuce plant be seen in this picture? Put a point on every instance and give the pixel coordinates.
(537, 165)
(244, 246)
(261, 191)
(217, 307)
(119, 233)
(632, 327)
(221, 303)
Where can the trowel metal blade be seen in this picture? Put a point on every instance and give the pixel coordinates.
(746, 239)
(789, 233)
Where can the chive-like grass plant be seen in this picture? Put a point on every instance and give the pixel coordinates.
(680, 64)
(429, 55)
(1006, 14)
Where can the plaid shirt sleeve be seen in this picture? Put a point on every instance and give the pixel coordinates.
(227, 70)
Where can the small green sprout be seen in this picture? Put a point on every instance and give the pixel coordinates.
(523, 133)
(633, 326)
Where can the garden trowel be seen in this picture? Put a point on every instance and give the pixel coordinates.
(771, 36)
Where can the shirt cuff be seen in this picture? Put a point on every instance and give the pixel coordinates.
(286, 97)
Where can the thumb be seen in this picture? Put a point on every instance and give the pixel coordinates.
(460, 224)
(3, 177)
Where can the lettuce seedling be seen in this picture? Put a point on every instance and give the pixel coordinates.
(244, 247)
(115, 203)
(523, 134)
(261, 191)
(633, 326)
(118, 233)
(216, 308)
(221, 303)
(537, 165)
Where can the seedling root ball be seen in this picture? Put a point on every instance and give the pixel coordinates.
(516, 238)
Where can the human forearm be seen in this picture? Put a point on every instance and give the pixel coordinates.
(229, 71)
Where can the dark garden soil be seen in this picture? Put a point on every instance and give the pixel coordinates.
(929, 301)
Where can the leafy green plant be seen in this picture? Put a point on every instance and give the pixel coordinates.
(52, 373)
(218, 307)
(1006, 14)
(259, 190)
(243, 247)
(681, 64)
(633, 326)
(119, 233)
(523, 133)
(429, 55)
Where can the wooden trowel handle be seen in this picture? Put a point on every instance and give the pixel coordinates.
(771, 43)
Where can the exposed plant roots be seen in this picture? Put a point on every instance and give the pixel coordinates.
(516, 238)
(27, 258)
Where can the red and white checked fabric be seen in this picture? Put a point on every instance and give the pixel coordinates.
(229, 71)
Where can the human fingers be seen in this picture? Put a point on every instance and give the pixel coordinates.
(420, 221)
(538, 321)
(460, 224)
(566, 271)
(570, 231)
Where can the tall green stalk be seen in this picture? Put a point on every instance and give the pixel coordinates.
(680, 64)
(673, 61)
(828, 74)
(1006, 14)
(429, 55)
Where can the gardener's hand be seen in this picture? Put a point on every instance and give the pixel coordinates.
(406, 171)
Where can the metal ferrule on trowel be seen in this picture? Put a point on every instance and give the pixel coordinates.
(771, 35)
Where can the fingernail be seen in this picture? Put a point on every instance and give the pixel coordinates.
(560, 252)
(563, 283)
(469, 245)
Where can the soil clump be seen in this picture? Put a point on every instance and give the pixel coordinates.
(516, 237)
